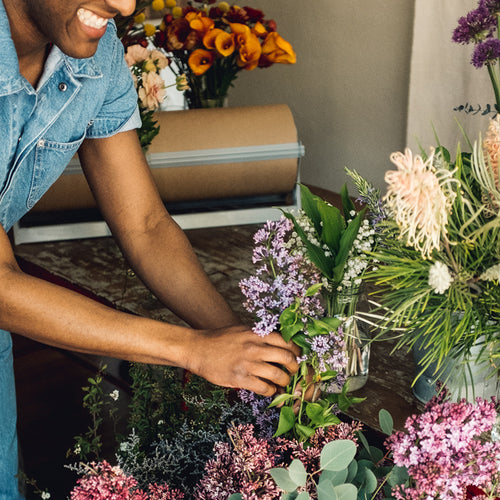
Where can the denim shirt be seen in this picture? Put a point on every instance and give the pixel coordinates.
(42, 129)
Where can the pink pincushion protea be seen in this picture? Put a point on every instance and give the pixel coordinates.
(420, 198)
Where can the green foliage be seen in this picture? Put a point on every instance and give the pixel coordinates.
(345, 473)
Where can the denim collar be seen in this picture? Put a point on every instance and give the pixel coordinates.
(11, 80)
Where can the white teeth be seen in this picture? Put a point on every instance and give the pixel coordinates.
(90, 19)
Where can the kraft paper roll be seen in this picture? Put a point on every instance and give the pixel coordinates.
(199, 130)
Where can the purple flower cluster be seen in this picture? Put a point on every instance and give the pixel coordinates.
(104, 482)
(478, 27)
(266, 419)
(443, 450)
(282, 277)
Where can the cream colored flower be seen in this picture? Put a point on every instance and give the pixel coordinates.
(136, 54)
(181, 83)
(152, 91)
(486, 166)
(420, 197)
(440, 278)
(159, 58)
(491, 274)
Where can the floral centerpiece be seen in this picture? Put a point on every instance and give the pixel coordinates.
(439, 256)
(211, 45)
(310, 268)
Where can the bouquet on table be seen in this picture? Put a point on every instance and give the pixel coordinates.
(310, 268)
(146, 64)
(211, 45)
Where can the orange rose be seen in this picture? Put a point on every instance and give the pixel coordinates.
(220, 40)
(200, 61)
(277, 50)
(248, 46)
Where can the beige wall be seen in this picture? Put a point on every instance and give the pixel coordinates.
(348, 90)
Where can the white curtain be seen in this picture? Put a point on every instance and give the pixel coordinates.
(442, 78)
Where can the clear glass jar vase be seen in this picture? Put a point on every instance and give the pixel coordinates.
(347, 304)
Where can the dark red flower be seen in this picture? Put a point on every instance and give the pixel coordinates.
(474, 491)
(271, 25)
(254, 15)
(237, 16)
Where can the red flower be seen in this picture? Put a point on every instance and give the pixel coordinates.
(254, 15)
(474, 491)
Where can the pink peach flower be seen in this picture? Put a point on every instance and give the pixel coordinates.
(152, 91)
(136, 54)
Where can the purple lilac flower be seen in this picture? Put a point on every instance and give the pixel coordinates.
(493, 6)
(486, 52)
(266, 418)
(477, 25)
(280, 279)
(443, 452)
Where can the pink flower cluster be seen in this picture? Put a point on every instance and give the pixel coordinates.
(104, 482)
(444, 452)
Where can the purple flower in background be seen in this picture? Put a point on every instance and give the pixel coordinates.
(477, 25)
(266, 418)
(493, 6)
(443, 451)
(486, 52)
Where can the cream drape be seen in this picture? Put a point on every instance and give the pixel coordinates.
(442, 78)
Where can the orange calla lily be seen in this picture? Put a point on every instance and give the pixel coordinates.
(248, 46)
(275, 49)
(200, 61)
(199, 22)
(220, 40)
(259, 30)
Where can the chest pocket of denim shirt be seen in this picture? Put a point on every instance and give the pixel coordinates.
(51, 158)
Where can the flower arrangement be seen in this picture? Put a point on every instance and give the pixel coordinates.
(308, 263)
(439, 256)
(212, 45)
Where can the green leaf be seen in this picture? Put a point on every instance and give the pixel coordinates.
(398, 475)
(286, 420)
(303, 496)
(332, 227)
(315, 412)
(281, 398)
(304, 431)
(309, 204)
(370, 481)
(335, 477)
(346, 242)
(314, 289)
(236, 496)
(302, 340)
(297, 472)
(291, 495)
(283, 480)
(386, 421)
(352, 470)
(347, 203)
(325, 489)
(337, 455)
(341, 492)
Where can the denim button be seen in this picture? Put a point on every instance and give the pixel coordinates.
(62, 87)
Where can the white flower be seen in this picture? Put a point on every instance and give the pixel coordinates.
(491, 274)
(439, 277)
(114, 395)
(45, 495)
(420, 197)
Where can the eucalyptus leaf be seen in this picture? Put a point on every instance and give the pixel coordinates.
(303, 495)
(289, 495)
(236, 496)
(370, 481)
(352, 470)
(386, 421)
(345, 492)
(298, 472)
(283, 480)
(337, 455)
(398, 475)
(335, 477)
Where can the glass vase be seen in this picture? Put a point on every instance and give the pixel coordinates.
(345, 304)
